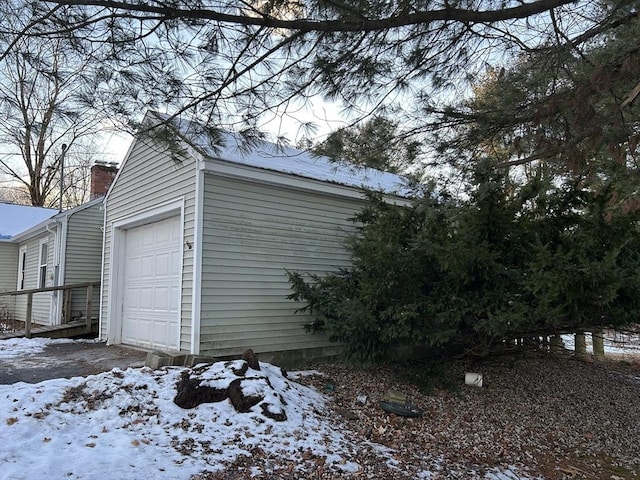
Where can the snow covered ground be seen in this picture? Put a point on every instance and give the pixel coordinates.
(16, 347)
(125, 425)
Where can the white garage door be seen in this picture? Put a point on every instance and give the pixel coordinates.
(150, 312)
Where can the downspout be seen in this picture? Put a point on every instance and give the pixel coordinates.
(59, 251)
(62, 262)
(102, 290)
(53, 301)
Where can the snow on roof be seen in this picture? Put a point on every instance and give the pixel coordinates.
(278, 158)
(15, 219)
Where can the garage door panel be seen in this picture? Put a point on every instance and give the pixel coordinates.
(176, 262)
(153, 261)
(161, 296)
(132, 268)
(174, 299)
(164, 236)
(132, 297)
(147, 298)
(163, 267)
(146, 266)
(147, 237)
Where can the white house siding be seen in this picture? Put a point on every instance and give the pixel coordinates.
(252, 233)
(84, 255)
(149, 178)
(8, 277)
(41, 310)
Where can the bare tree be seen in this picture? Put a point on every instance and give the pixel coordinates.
(44, 112)
(10, 193)
(77, 177)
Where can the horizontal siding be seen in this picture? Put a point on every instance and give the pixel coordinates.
(8, 266)
(84, 245)
(8, 278)
(252, 235)
(41, 312)
(150, 177)
(84, 256)
(264, 267)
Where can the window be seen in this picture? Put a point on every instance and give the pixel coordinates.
(22, 264)
(42, 270)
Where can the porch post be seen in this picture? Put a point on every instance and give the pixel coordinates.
(27, 323)
(88, 307)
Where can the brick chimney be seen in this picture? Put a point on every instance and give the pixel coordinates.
(102, 175)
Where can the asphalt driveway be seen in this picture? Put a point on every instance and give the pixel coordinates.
(66, 360)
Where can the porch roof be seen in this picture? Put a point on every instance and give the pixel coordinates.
(15, 219)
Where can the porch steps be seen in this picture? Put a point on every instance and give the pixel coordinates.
(67, 330)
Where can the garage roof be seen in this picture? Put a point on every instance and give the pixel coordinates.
(269, 156)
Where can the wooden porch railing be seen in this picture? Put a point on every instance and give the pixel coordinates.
(66, 289)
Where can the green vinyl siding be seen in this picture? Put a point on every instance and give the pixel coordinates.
(41, 310)
(84, 256)
(150, 177)
(8, 278)
(252, 234)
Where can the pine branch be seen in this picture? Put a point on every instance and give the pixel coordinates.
(342, 25)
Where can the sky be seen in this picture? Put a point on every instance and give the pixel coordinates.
(124, 424)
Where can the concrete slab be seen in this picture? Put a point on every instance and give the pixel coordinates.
(159, 359)
(66, 360)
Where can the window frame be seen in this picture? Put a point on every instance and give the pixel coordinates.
(43, 246)
(22, 268)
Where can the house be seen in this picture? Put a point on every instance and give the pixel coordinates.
(58, 249)
(14, 219)
(196, 248)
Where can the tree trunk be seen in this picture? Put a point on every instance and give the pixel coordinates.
(580, 346)
(556, 345)
(598, 344)
(544, 343)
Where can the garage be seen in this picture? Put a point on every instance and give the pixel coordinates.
(151, 284)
